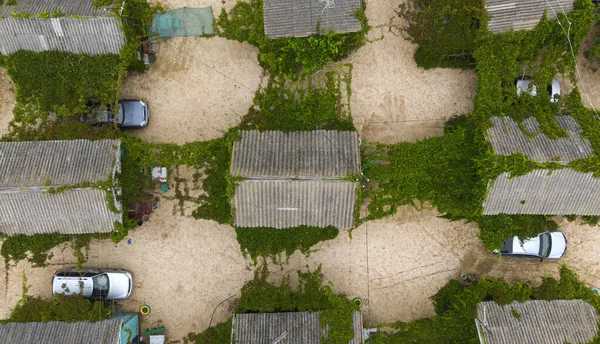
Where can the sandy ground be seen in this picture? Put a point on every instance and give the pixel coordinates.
(393, 99)
(7, 101)
(197, 88)
(589, 72)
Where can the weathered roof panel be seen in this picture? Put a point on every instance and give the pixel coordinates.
(71, 7)
(74, 211)
(544, 192)
(57, 163)
(293, 327)
(506, 138)
(101, 332)
(91, 36)
(551, 322)
(286, 204)
(321, 153)
(301, 18)
(522, 14)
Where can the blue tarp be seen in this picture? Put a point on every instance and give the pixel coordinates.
(182, 22)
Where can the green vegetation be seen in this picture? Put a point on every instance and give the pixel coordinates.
(62, 308)
(16, 247)
(265, 242)
(456, 307)
(260, 296)
(302, 105)
(445, 30)
(288, 56)
(495, 229)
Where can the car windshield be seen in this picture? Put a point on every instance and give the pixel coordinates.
(120, 116)
(544, 244)
(101, 285)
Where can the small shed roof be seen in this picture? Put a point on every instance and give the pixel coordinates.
(506, 138)
(90, 35)
(101, 332)
(539, 321)
(544, 192)
(301, 18)
(506, 15)
(289, 328)
(71, 7)
(286, 204)
(57, 163)
(300, 154)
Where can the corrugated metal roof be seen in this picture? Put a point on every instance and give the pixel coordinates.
(545, 192)
(91, 36)
(101, 332)
(289, 328)
(57, 163)
(72, 7)
(507, 138)
(321, 153)
(286, 204)
(549, 322)
(300, 18)
(522, 14)
(74, 211)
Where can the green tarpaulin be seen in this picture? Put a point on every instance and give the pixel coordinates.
(182, 22)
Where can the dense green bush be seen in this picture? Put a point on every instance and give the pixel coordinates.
(218, 334)
(61, 308)
(288, 56)
(16, 247)
(456, 307)
(445, 30)
(495, 229)
(264, 242)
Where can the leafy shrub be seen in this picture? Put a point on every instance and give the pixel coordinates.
(272, 241)
(495, 229)
(219, 334)
(61, 308)
(15, 247)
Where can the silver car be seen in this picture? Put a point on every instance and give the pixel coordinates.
(93, 283)
(130, 114)
(545, 245)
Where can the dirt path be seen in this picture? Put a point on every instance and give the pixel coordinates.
(393, 99)
(7, 101)
(589, 74)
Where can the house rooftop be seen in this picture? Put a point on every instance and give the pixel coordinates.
(71, 7)
(293, 327)
(56, 332)
(537, 321)
(301, 18)
(506, 15)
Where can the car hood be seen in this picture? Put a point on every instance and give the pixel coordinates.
(135, 113)
(120, 285)
(559, 245)
(530, 246)
(71, 286)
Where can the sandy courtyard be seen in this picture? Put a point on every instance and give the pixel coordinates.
(7, 101)
(393, 99)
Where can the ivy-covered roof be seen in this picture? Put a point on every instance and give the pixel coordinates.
(290, 328)
(537, 321)
(506, 15)
(301, 18)
(507, 137)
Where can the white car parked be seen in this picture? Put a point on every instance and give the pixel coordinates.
(546, 245)
(524, 84)
(93, 283)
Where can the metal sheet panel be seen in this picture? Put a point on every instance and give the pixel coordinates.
(550, 322)
(544, 192)
(289, 328)
(506, 15)
(275, 154)
(74, 211)
(101, 332)
(71, 7)
(57, 163)
(287, 204)
(301, 18)
(91, 36)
